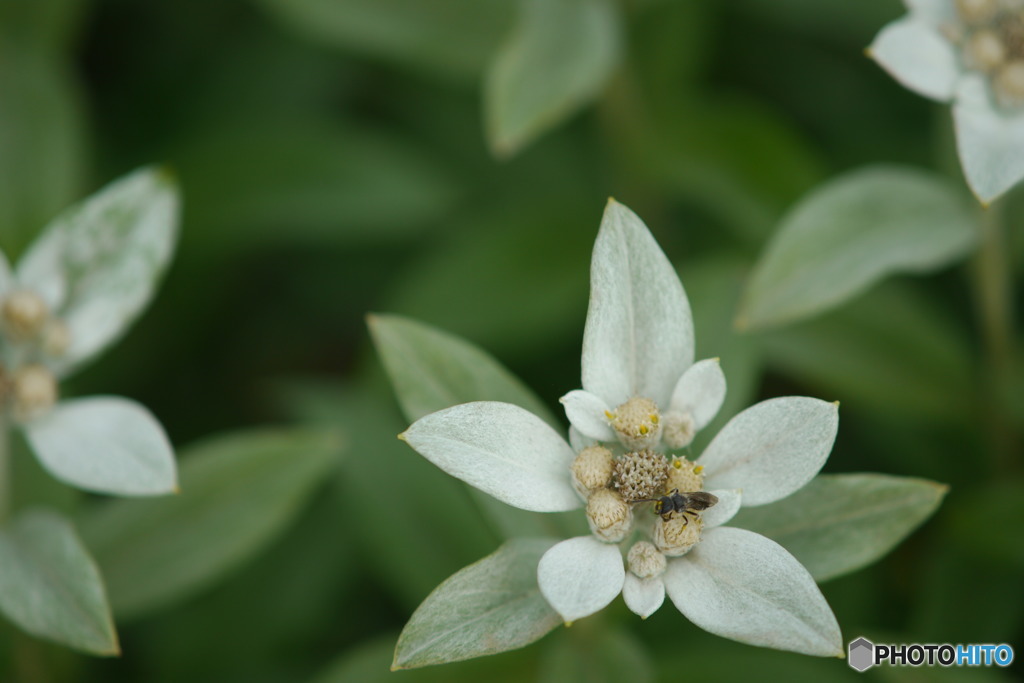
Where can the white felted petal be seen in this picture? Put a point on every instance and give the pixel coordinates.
(578, 441)
(586, 412)
(643, 596)
(772, 448)
(580, 576)
(918, 56)
(700, 392)
(106, 444)
(989, 141)
(639, 334)
(729, 502)
(740, 585)
(502, 450)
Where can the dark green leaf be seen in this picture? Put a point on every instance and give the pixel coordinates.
(432, 370)
(41, 143)
(308, 182)
(238, 492)
(839, 523)
(451, 37)
(891, 351)
(596, 655)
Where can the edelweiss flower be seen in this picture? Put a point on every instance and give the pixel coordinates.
(74, 292)
(970, 52)
(637, 357)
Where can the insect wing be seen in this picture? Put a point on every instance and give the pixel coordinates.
(700, 500)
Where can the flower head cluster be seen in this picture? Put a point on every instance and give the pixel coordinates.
(970, 53)
(657, 519)
(75, 290)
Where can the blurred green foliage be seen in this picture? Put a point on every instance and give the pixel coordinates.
(334, 161)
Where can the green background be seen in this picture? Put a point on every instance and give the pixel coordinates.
(335, 162)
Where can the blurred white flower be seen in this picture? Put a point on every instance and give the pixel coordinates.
(637, 357)
(970, 53)
(74, 292)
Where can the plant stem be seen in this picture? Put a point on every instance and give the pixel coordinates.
(992, 273)
(994, 300)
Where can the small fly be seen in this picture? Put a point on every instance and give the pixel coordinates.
(686, 504)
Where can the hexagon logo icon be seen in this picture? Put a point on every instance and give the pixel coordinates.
(861, 654)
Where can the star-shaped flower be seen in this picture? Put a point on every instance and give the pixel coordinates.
(970, 53)
(74, 292)
(647, 509)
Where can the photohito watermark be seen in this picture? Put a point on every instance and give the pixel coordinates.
(863, 654)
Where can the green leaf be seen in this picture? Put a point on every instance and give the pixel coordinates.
(710, 150)
(595, 655)
(98, 263)
(708, 658)
(892, 352)
(492, 606)
(557, 60)
(41, 141)
(436, 522)
(980, 527)
(454, 38)
(713, 285)
(845, 23)
(368, 663)
(432, 370)
(852, 232)
(471, 285)
(840, 523)
(49, 585)
(45, 26)
(238, 492)
(308, 182)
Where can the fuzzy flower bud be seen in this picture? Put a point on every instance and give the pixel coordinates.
(1009, 83)
(637, 423)
(591, 470)
(608, 515)
(977, 11)
(646, 561)
(679, 429)
(55, 338)
(23, 313)
(985, 51)
(684, 476)
(677, 535)
(33, 390)
(640, 475)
